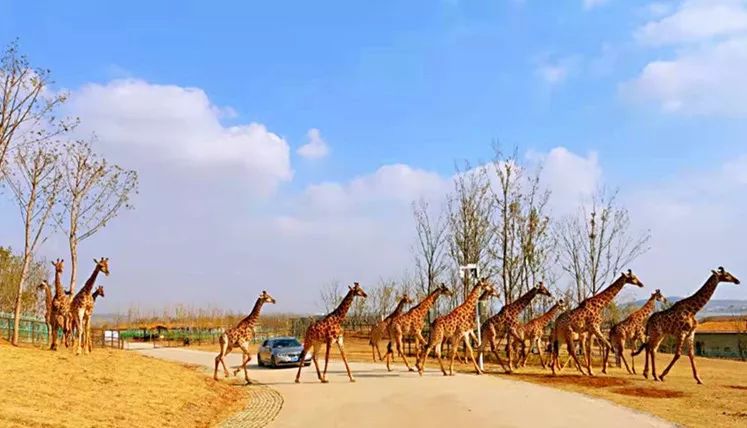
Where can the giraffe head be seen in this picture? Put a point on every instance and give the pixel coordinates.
(487, 294)
(58, 265)
(99, 292)
(265, 297)
(357, 290)
(444, 291)
(658, 297)
(542, 290)
(487, 286)
(405, 299)
(562, 305)
(103, 265)
(44, 284)
(724, 276)
(630, 278)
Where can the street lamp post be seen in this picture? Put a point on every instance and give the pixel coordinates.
(470, 272)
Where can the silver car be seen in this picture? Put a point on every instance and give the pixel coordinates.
(281, 351)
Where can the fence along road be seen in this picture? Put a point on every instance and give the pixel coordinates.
(400, 398)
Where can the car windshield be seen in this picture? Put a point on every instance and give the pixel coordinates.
(285, 343)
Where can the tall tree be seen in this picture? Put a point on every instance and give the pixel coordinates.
(11, 265)
(27, 105)
(34, 181)
(470, 228)
(597, 243)
(94, 192)
(430, 246)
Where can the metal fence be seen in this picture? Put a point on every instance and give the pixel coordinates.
(30, 330)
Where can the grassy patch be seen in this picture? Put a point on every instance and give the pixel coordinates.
(107, 388)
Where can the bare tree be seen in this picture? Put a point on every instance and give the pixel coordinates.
(94, 192)
(34, 181)
(470, 227)
(382, 299)
(26, 103)
(330, 295)
(595, 244)
(430, 248)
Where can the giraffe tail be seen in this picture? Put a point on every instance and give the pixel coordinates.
(640, 349)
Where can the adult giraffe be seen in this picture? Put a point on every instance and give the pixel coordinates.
(381, 329)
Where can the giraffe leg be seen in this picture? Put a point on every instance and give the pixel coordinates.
(654, 348)
(438, 349)
(494, 348)
(344, 359)
(224, 350)
(79, 328)
(677, 354)
(621, 352)
(389, 353)
(302, 359)
(453, 349)
(400, 351)
(540, 353)
(571, 345)
(420, 359)
(691, 355)
(246, 358)
(326, 361)
(472, 357)
(314, 355)
(238, 369)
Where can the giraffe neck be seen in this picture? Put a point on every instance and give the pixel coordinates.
(522, 302)
(422, 308)
(90, 282)
(398, 310)
(341, 311)
(471, 301)
(545, 318)
(605, 297)
(95, 295)
(47, 296)
(58, 290)
(251, 319)
(696, 302)
(647, 308)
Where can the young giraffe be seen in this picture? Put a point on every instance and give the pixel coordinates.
(456, 326)
(679, 321)
(411, 324)
(586, 320)
(240, 337)
(381, 329)
(533, 331)
(506, 324)
(631, 328)
(327, 330)
(98, 292)
(48, 317)
(60, 308)
(81, 306)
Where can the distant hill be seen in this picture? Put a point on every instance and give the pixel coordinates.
(712, 308)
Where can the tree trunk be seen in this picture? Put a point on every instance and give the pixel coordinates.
(21, 282)
(73, 263)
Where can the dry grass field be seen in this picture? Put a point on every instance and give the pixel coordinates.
(720, 402)
(108, 388)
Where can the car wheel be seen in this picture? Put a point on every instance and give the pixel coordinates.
(259, 361)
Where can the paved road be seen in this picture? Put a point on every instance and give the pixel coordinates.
(400, 398)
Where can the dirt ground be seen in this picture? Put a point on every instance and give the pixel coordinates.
(107, 388)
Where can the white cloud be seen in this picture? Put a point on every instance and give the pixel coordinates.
(707, 73)
(695, 21)
(552, 73)
(181, 124)
(570, 177)
(590, 4)
(316, 148)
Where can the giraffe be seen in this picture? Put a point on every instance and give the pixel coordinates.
(98, 292)
(455, 326)
(327, 330)
(82, 305)
(631, 328)
(533, 331)
(240, 337)
(411, 324)
(381, 329)
(60, 308)
(679, 321)
(47, 306)
(506, 324)
(585, 320)
(486, 295)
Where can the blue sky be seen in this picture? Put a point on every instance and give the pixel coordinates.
(422, 83)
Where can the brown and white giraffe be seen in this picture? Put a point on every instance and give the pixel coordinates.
(61, 318)
(631, 328)
(240, 337)
(534, 330)
(585, 321)
(456, 326)
(47, 306)
(381, 329)
(98, 292)
(327, 330)
(81, 306)
(679, 321)
(411, 324)
(505, 324)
